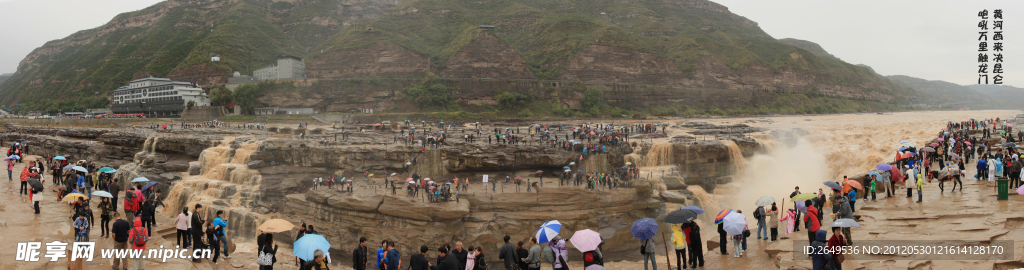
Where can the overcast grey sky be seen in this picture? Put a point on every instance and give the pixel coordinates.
(930, 39)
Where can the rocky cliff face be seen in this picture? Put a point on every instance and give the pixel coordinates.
(380, 60)
(487, 57)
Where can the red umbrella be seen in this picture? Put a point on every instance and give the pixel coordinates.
(896, 175)
(934, 144)
(518, 177)
(540, 171)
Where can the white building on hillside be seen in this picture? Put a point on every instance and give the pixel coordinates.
(289, 67)
(157, 97)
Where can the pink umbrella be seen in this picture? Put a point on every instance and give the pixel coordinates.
(1020, 190)
(968, 143)
(585, 240)
(942, 140)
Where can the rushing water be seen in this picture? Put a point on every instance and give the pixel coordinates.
(225, 183)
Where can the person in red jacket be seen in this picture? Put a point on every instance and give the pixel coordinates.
(837, 241)
(812, 220)
(137, 238)
(130, 207)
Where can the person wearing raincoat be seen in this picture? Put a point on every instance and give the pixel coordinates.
(820, 259)
(790, 216)
(920, 186)
(982, 168)
(992, 169)
(679, 240)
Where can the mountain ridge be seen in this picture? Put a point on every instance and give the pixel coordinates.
(679, 44)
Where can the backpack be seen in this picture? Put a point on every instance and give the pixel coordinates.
(549, 254)
(140, 238)
(590, 258)
(759, 213)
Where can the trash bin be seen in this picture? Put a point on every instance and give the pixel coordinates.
(1003, 185)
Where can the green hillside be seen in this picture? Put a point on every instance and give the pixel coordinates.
(246, 34)
(173, 35)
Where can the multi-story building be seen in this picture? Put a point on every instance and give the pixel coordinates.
(289, 67)
(157, 97)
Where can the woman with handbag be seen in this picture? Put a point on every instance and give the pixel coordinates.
(481, 262)
(267, 256)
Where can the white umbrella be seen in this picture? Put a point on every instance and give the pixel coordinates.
(140, 179)
(734, 223)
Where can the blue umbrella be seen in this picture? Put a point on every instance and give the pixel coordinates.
(695, 209)
(305, 246)
(833, 185)
(566, 167)
(904, 148)
(149, 185)
(548, 231)
(884, 167)
(60, 158)
(644, 228)
(876, 174)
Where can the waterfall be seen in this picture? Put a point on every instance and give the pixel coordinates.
(225, 183)
(735, 155)
(659, 155)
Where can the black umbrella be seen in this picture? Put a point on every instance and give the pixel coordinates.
(681, 216)
(833, 185)
(35, 184)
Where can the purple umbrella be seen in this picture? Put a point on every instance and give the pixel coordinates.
(800, 206)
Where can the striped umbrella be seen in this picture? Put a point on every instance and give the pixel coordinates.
(721, 216)
(644, 228)
(548, 231)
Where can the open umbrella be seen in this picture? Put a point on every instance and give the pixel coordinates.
(595, 267)
(855, 184)
(883, 167)
(11, 158)
(764, 201)
(904, 142)
(540, 171)
(695, 209)
(102, 194)
(941, 139)
(80, 168)
(69, 167)
(845, 223)
(876, 174)
(140, 179)
(954, 155)
(721, 216)
(149, 185)
(275, 226)
(968, 143)
(548, 231)
(1020, 190)
(408, 179)
(734, 223)
(933, 144)
(572, 163)
(928, 149)
(801, 206)
(35, 184)
(1009, 145)
(106, 170)
(804, 196)
(832, 185)
(680, 216)
(518, 177)
(644, 228)
(585, 240)
(60, 158)
(73, 197)
(305, 246)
